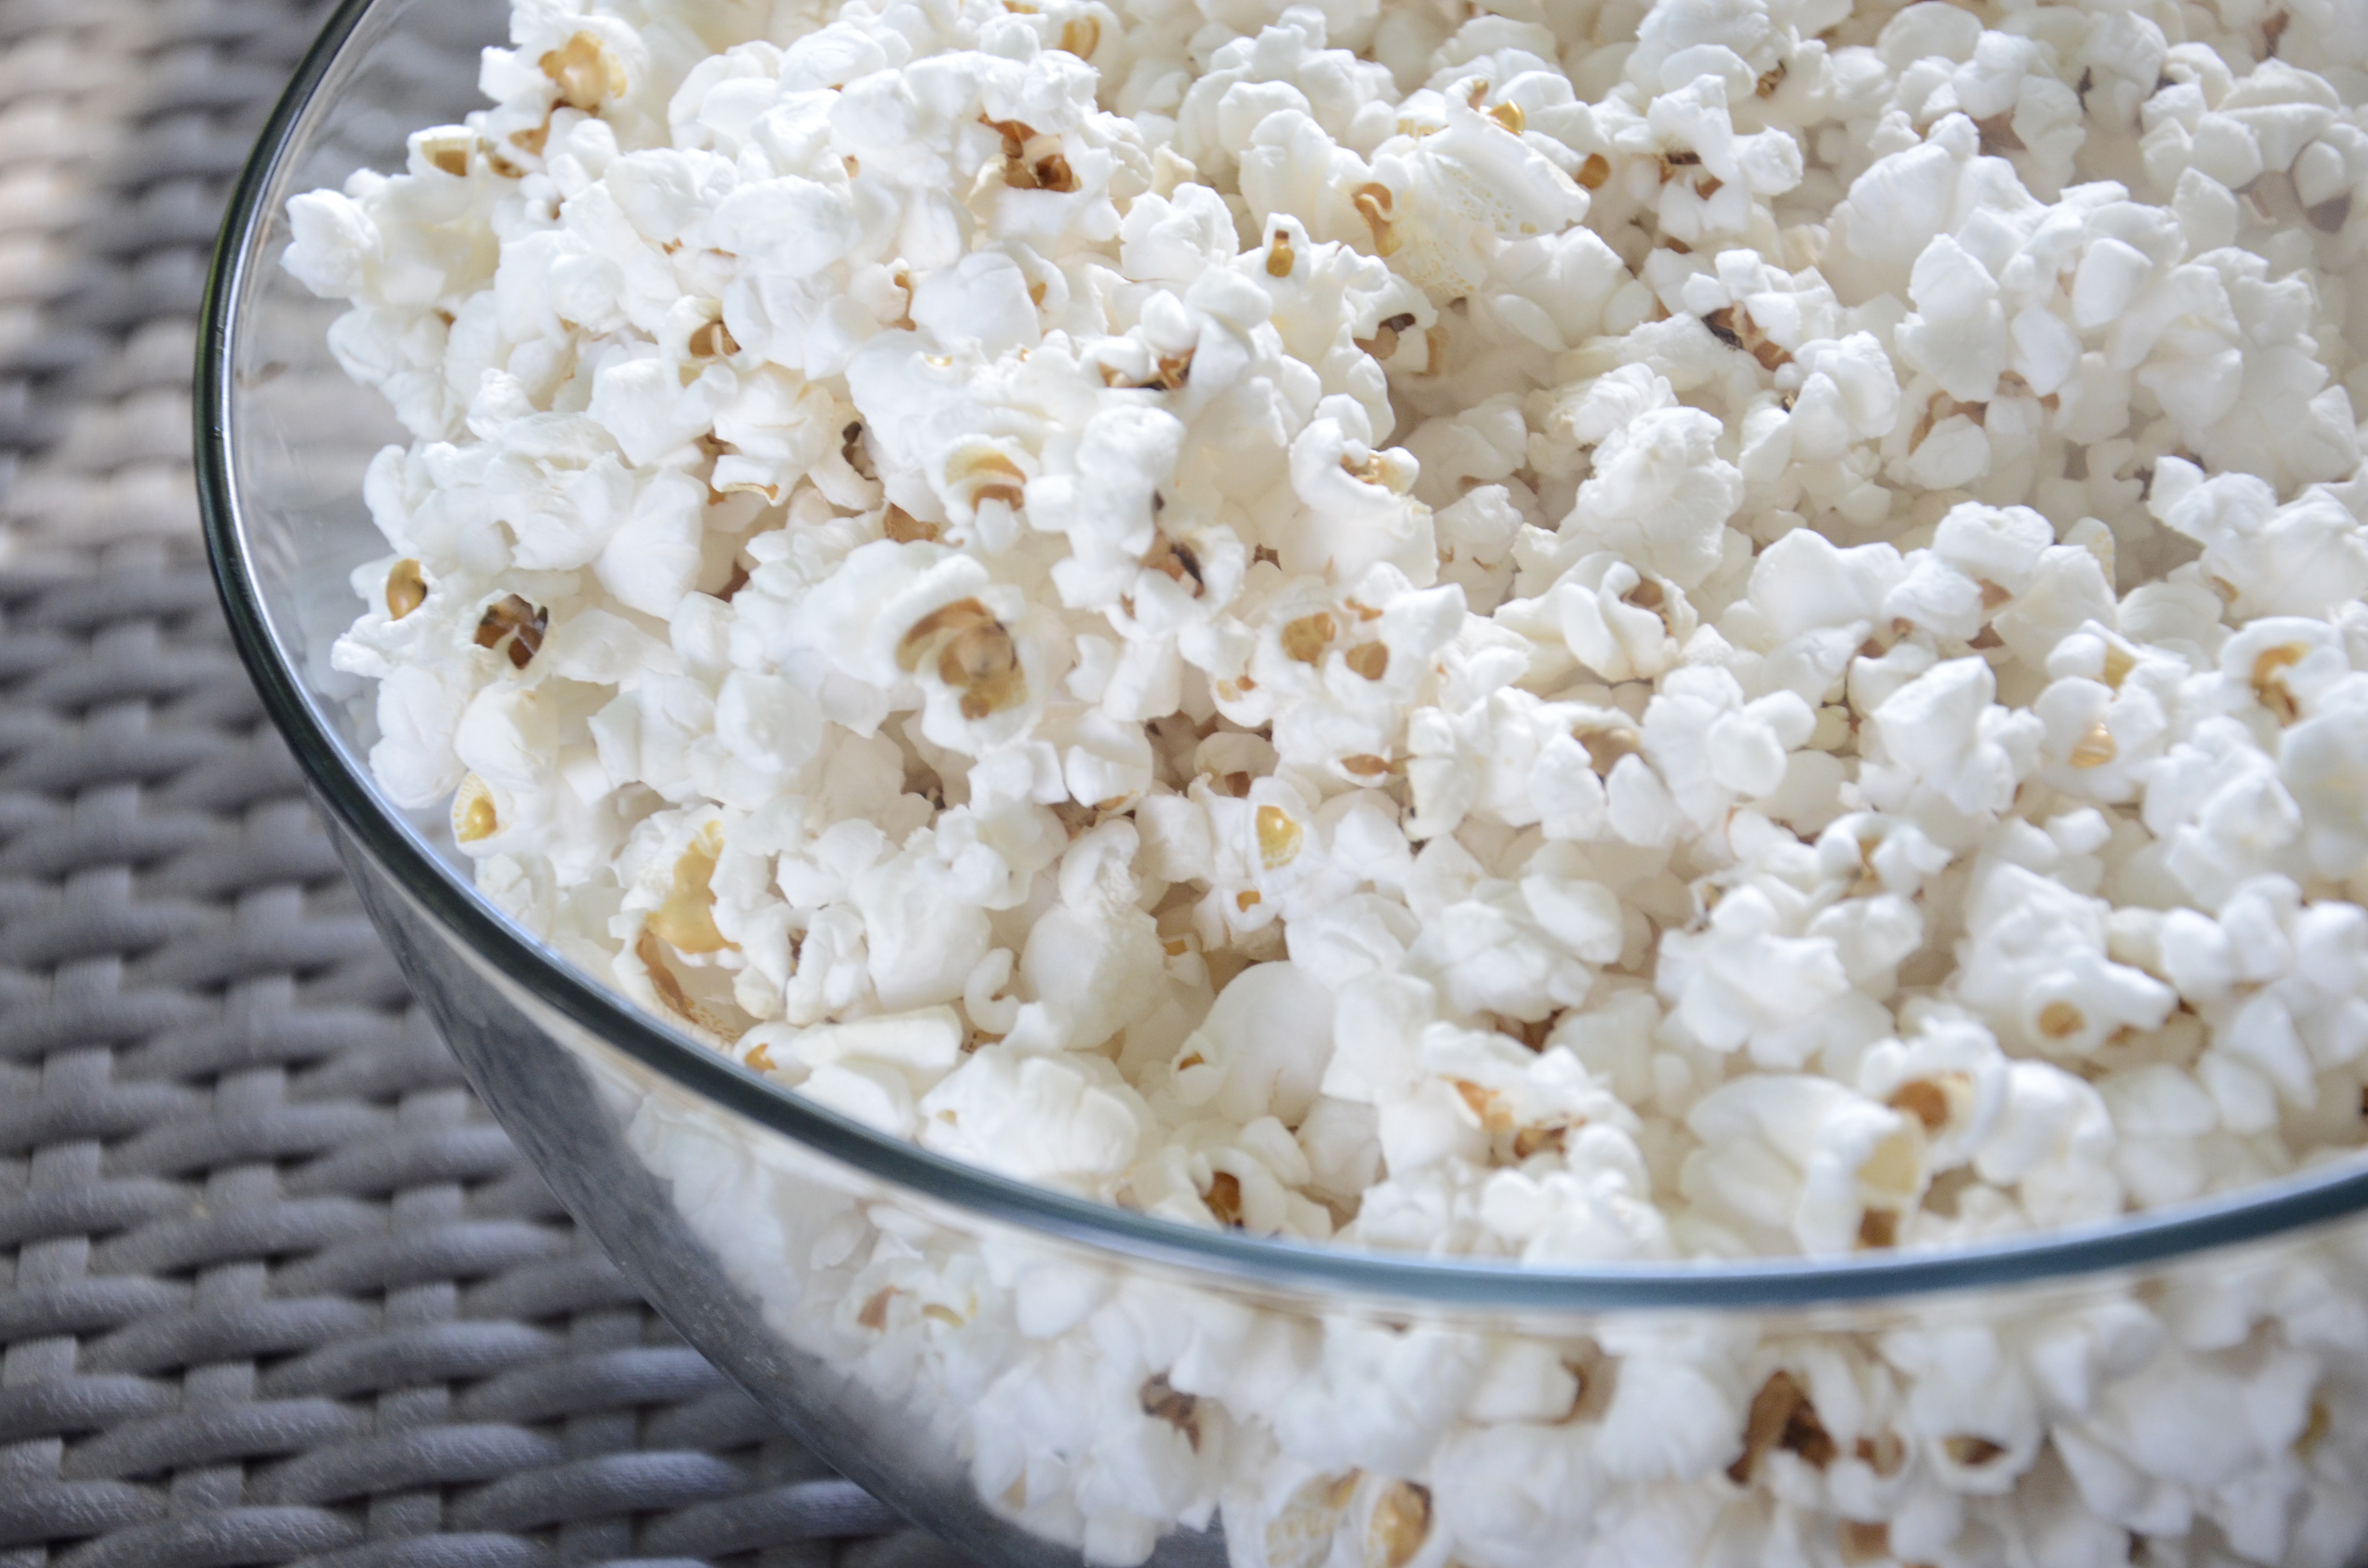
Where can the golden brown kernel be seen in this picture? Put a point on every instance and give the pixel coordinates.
(1081, 36)
(2095, 748)
(1926, 1101)
(1510, 117)
(1301, 1535)
(686, 921)
(1006, 482)
(713, 340)
(1972, 1451)
(1781, 1418)
(1371, 660)
(1866, 1540)
(587, 73)
(473, 811)
(1383, 343)
(850, 447)
(452, 157)
(1878, 1228)
(875, 1310)
(2061, 1020)
(532, 139)
(985, 663)
(1486, 1104)
(1279, 256)
(1176, 559)
(1278, 837)
(906, 528)
(1015, 135)
(2268, 683)
(1306, 638)
(1595, 171)
(1531, 1141)
(406, 589)
(2321, 1420)
(1531, 1032)
(958, 616)
(1998, 136)
(1883, 1453)
(1248, 900)
(975, 656)
(1401, 1523)
(521, 623)
(1225, 1199)
(2119, 663)
(1162, 1402)
(1053, 173)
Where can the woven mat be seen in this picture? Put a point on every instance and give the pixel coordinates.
(273, 1287)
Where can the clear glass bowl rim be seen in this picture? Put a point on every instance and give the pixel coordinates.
(2065, 1255)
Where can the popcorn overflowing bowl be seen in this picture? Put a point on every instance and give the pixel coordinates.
(1745, 949)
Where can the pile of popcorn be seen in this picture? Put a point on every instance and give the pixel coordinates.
(1541, 629)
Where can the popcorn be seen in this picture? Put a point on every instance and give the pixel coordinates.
(1721, 630)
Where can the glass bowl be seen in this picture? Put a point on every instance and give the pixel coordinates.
(1042, 1380)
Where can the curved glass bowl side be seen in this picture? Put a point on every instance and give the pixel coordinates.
(1044, 1378)
(282, 440)
(1045, 1404)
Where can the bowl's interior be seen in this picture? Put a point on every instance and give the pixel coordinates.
(283, 439)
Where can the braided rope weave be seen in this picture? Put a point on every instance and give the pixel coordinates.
(273, 1287)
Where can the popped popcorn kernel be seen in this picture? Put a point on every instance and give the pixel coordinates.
(515, 626)
(586, 70)
(1401, 1523)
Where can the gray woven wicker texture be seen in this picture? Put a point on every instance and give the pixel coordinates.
(275, 1288)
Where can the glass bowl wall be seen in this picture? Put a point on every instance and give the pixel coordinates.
(984, 1354)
